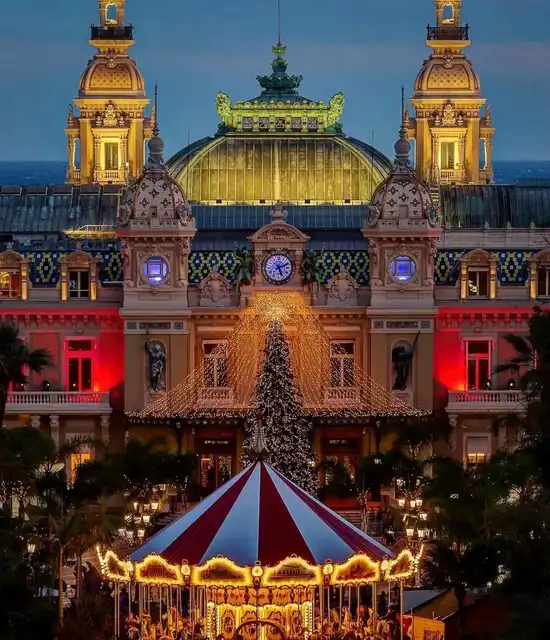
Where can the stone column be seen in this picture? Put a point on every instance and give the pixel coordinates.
(35, 422)
(105, 430)
(97, 158)
(435, 158)
(123, 153)
(489, 153)
(70, 154)
(54, 426)
(461, 156)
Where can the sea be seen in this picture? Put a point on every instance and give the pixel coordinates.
(53, 172)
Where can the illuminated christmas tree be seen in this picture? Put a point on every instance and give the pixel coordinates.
(278, 403)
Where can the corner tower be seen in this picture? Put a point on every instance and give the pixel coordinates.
(105, 141)
(452, 120)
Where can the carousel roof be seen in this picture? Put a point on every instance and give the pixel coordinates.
(259, 515)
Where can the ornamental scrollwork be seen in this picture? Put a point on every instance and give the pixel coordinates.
(224, 109)
(335, 109)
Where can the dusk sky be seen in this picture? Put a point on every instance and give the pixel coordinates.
(194, 48)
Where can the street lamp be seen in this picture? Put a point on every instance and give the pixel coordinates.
(31, 547)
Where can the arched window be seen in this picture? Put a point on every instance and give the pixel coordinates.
(478, 275)
(14, 275)
(448, 14)
(539, 275)
(78, 276)
(111, 14)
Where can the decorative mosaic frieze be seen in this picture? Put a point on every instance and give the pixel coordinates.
(512, 270)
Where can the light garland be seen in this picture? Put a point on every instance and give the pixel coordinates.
(221, 572)
(155, 570)
(358, 570)
(284, 573)
(236, 361)
(401, 567)
(113, 568)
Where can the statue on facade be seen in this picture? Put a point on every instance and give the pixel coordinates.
(156, 353)
(402, 357)
(372, 215)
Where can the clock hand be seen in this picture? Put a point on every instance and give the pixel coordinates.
(279, 268)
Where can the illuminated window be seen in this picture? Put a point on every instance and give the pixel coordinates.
(79, 284)
(10, 284)
(342, 363)
(476, 449)
(75, 460)
(447, 155)
(111, 156)
(155, 270)
(80, 358)
(402, 268)
(215, 364)
(479, 363)
(478, 282)
(215, 470)
(543, 282)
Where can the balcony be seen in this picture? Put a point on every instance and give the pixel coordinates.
(216, 396)
(448, 32)
(58, 402)
(510, 401)
(112, 32)
(342, 396)
(115, 176)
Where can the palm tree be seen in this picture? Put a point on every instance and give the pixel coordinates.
(16, 357)
(460, 566)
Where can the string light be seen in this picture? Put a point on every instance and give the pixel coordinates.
(155, 570)
(358, 570)
(293, 571)
(113, 568)
(224, 381)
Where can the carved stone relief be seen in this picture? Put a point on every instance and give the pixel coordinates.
(342, 288)
(215, 290)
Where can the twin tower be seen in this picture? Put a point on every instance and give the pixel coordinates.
(450, 130)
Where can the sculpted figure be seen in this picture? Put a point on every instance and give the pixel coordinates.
(157, 361)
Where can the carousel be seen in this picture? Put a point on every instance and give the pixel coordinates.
(259, 559)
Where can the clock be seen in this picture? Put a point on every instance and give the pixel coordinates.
(278, 268)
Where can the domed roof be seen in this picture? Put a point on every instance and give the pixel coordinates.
(447, 74)
(155, 195)
(401, 195)
(109, 74)
(242, 168)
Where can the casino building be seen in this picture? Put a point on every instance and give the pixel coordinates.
(135, 278)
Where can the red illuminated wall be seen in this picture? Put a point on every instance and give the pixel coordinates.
(449, 364)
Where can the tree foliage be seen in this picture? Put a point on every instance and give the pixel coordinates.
(278, 404)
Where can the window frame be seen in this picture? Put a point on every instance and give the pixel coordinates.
(84, 450)
(479, 270)
(91, 354)
(78, 290)
(477, 357)
(215, 358)
(476, 436)
(341, 358)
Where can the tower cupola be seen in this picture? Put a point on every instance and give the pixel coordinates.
(106, 139)
(452, 120)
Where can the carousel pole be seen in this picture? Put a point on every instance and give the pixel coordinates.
(140, 605)
(374, 608)
(402, 607)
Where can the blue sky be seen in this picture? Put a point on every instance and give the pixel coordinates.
(194, 48)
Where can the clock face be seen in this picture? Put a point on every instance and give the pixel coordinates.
(278, 268)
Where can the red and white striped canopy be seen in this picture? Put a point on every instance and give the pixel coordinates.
(260, 515)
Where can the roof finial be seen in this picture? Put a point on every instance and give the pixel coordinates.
(403, 106)
(258, 450)
(156, 129)
(279, 22)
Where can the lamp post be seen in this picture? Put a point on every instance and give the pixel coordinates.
(414, 519)
(141, 516)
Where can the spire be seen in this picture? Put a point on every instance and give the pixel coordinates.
(156, 144)
(402, 146)
(258, 449)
